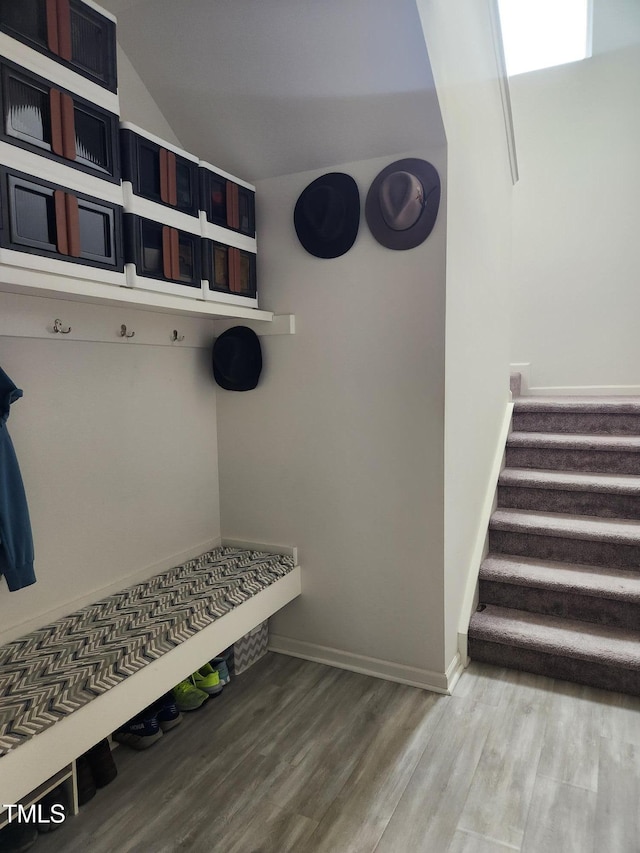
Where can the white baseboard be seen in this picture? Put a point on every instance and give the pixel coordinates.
(437, 682)
(285, 550)
(470, 600)
(46, 616)
(584, 391)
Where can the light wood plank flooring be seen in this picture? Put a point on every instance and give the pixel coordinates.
(295, 756)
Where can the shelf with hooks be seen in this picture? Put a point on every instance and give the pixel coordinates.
(56, 320)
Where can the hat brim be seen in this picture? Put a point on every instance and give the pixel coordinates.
(237, 359)
(418, 233)
(344, 240)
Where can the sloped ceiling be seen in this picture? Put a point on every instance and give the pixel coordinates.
(271, 87)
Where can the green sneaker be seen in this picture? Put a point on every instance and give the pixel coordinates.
(188, 697)
(207, 679)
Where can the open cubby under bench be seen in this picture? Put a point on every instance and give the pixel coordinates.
(69, 684)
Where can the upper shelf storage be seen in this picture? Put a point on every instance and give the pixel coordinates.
(57, 124)
(93, 209)
(157, 171)
(76, 34)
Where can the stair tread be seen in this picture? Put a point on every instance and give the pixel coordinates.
(574, 441)
(596, 405)
(554, 635)
(605, 582)
(573, 481)
(619, 530)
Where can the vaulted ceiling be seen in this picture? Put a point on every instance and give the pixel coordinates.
(271, 87)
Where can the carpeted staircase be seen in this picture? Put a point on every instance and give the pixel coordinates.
(560, 587)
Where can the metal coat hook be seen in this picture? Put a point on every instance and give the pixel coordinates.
(175, 336)
(57, 328)
(124, 333)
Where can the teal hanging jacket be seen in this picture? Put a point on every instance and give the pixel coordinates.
(16, 541)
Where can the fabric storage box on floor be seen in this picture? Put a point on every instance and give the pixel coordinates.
(250, 648)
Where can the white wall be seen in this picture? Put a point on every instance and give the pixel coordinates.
(117, 447)
(576, 248)
(459, 40)
(137, 104)
(340, 448)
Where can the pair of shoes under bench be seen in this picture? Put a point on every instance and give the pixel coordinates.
(141, 732)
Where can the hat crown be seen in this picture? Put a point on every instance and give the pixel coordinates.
(401, 200)
(327, 215)
(324, 210)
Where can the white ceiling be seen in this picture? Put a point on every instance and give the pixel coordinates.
(271, 87)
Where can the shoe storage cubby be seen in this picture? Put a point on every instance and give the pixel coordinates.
(66, 778)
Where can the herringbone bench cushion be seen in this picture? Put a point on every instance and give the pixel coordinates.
(49, 673)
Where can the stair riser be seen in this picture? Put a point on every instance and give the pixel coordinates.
(577, 423)
(599, 675)
(601, 504)
(592, 553)
(569, 605)
(597, 461)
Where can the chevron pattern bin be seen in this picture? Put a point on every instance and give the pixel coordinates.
(250, 648)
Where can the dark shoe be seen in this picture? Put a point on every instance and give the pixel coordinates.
(86, 782)
(141, 732)
(53, 811)
(167, 711)
(102, 764)
(18, 837)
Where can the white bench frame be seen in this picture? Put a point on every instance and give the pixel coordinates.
(28, 765)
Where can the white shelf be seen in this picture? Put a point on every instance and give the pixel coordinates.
(19, 280)
(66, 775)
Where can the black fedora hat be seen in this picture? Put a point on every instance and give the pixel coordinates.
(402, 203)
(237, 359)
(327, 215)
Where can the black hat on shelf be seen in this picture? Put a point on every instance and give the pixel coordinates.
(237, 359)
(327, 215)
(402, 203)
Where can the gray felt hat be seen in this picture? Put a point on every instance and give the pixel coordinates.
(402, 203)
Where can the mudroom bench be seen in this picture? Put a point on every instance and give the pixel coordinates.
(71, 683)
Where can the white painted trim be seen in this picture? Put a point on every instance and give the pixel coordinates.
(161, 286)
(33, 317)
(25, 767)
(143, 574)
(584, 391)
(18, 279)
(470, 600)
(37, 166)
(226, 235)
(127, 125)
(505, 92)
(24, 262)
(231, 298)
(204, 165)
(246, 545)
(158, 212)
(454, 671)
(282, 324)
(387, 670)
(58, 74)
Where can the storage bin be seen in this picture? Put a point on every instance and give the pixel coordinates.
(250, 648)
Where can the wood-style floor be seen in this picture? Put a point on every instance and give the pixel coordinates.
(295, 756)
